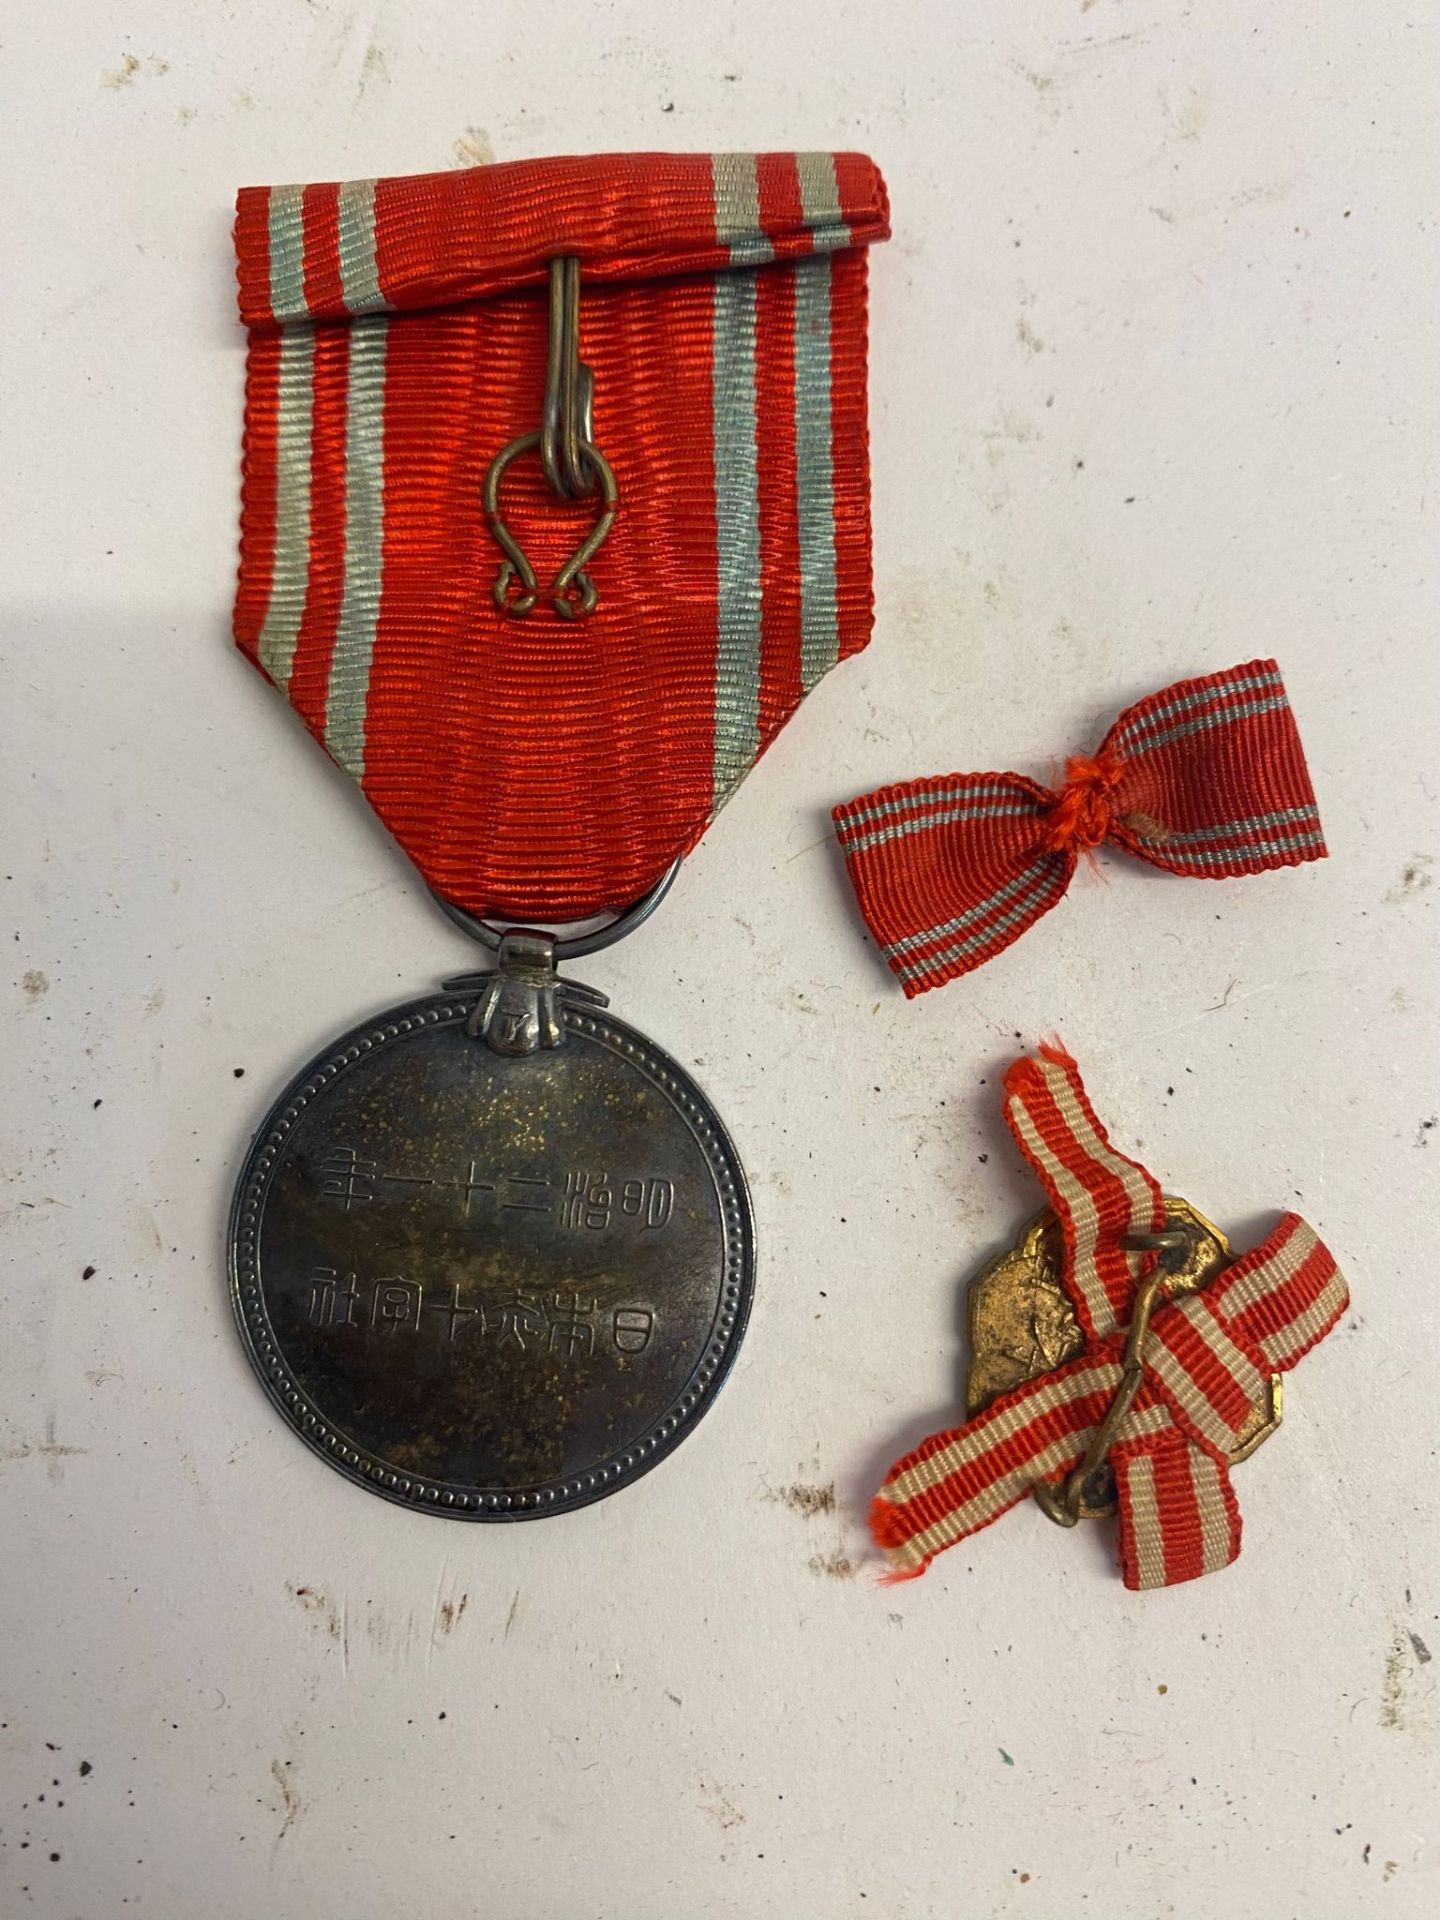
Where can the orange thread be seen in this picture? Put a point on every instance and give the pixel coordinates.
(887, 1527)
(1084, 807)
(897, 1577)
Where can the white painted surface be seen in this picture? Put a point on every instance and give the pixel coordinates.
(1153, 391)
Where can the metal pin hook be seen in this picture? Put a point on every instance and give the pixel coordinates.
(574, 466)
(1062, 1504)
(567, 421)
(572, 592)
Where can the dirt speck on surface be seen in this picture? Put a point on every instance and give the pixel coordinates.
(1027, 336)
(1415, 877)
(1042, 82)
(1392, 1692)
(473, 148)
(317, 1603)
(291, 1806)
(452, 1612)
(720, 1807)
(49, 1450)
(34, 982)
(130, 65)
(805, 1499)
(833, 1566)
(1422, 1652)
(374, 67)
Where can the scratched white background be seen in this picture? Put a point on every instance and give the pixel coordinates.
(1153, 391)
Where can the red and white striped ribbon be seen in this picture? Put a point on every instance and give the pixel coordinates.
(1207, 1364)
(544, 769)
(1206, 778)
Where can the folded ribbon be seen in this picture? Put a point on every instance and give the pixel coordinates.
(1206, 778)
(1207, 1361)
(544, 772)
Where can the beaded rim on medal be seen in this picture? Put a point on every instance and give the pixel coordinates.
(417, 1489)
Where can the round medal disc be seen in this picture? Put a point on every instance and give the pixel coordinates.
(491, 1287)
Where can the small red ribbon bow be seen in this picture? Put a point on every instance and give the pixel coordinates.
(1207, 1358)
(1206, 778)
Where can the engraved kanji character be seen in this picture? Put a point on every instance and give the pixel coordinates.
(347, 1178)
(411, 1180)
(332, 1305)
(573, 1208)
(588, 1200)
(631, 1328)
(396, 1304)
(570, 1323)
(659, 1204)
(650, 1200)
(525, 1193)
(455, 1311)
(521, 1319)
(470, 1186)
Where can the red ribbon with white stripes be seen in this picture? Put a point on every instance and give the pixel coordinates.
(545, 769)
(1207, 1361)
(1207, 779)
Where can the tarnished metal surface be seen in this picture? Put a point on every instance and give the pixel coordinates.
(493, 1287)
(1021, 1323)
